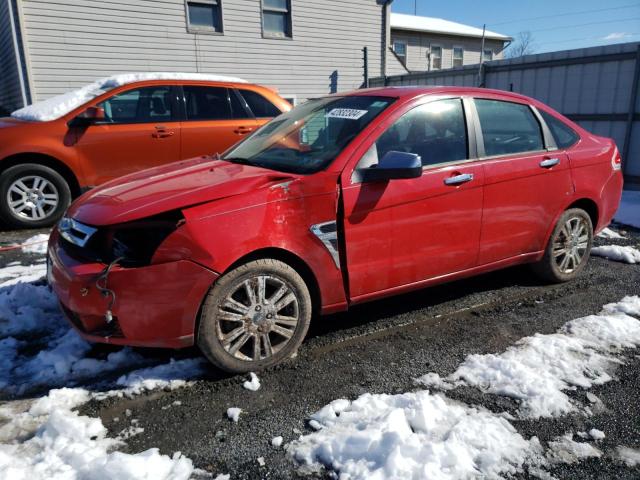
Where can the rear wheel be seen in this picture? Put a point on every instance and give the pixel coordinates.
(32, 196)
(569, 247)
(255, 316)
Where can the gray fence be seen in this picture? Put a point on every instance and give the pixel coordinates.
(595, 87)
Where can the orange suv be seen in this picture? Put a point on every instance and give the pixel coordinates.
(53, 150)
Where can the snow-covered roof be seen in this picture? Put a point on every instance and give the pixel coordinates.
(58, 106)
(401, 21)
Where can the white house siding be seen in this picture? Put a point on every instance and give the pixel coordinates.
(10, 92)
(72, 42)
(419, 44)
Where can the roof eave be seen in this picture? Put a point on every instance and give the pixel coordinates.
(452, 34)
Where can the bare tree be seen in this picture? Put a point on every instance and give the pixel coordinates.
(523, 44)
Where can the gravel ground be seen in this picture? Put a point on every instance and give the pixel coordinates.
(380, 348)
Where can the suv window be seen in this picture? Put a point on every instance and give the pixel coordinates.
(564, 135)
(260, 106)
(436, 131)
(207, 103)
(141, 105)
(508, 127)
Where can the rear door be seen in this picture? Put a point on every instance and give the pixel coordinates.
(140, 130)
(402, 232)
(527, 180)
(214, 120)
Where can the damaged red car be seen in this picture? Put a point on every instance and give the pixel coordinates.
(342, 200)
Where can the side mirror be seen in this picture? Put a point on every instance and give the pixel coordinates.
(394, 165)
(90, 116)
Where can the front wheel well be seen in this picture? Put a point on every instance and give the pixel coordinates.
(588, 206)
(294, 261)
(47, 161)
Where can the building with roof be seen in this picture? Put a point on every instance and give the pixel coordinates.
(421, 44)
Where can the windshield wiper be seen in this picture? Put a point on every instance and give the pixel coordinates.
(240, 160)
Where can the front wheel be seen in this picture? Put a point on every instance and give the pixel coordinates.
(255, 316)
(569, 247)
(32, 196)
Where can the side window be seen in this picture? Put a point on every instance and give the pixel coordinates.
(562, 133)
(260, 106)
(508, 127)
(436, 131)
(207, 103)
(141, 105)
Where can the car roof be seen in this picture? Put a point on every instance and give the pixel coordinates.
(414, 91)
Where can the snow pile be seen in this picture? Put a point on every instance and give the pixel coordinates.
(253, 383)
(15, 273)
(412, 436)
(596, 434)
(618, 253)
(629, 211)
(36, 244)
(608, 233)
(60, 105)
(629, 456)
(565, 450)
(50, 440)
(233, 414)
(168, 376)
(539, 368)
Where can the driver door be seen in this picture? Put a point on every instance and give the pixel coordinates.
(402, 232)
(139, 131)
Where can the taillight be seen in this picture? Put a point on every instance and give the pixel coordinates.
(616, 160)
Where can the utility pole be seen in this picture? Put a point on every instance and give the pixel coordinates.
(415, 7)
(480, 79)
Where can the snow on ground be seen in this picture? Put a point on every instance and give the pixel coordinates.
(629, 211)
(617, 253)
(46, 438)
(565, 450)
(233, 413)
(253, 383)
(424, 435)
(413, 436)
(609, 233)
(36, 244)
(276, 441)
(538, 369)
(58, 106)
(629, 456)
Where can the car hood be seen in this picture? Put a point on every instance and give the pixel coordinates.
(170, 187)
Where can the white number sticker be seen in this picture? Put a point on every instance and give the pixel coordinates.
(346, 113)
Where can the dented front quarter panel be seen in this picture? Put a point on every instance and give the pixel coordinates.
(277, 217)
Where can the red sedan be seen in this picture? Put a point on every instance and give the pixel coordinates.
(342, 200)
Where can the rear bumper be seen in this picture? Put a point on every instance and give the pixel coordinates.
(610, 200)
(156, 305)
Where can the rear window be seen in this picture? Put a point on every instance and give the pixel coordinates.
(260, 106)
(508, 128)
(564, 135)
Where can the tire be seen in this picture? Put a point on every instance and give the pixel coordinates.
(32, 196)
(229, 311)
(567, 245)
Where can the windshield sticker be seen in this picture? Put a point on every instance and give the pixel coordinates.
(347, 113)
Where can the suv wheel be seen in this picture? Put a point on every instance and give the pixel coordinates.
(255, 316)
(569, 247)
(32, 196)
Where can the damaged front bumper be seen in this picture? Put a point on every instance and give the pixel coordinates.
(155, 306)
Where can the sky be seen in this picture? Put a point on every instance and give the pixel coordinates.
(566, 24)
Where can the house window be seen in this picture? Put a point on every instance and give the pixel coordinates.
(458, 56)
(400, 48)
(204, 15)
(436, 57)
(276, 18)
(487, 55)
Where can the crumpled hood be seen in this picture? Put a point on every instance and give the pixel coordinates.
(170, 187)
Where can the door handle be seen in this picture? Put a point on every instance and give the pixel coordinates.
(161, 132)
(243, 130)
(549, 162)
(459, 179)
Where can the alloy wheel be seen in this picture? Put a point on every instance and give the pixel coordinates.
(32, 198)
(570, 244)
(258, 318)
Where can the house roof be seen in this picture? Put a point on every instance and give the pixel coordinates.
(400, 21)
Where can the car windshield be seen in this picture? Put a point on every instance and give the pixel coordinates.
(309, 137)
